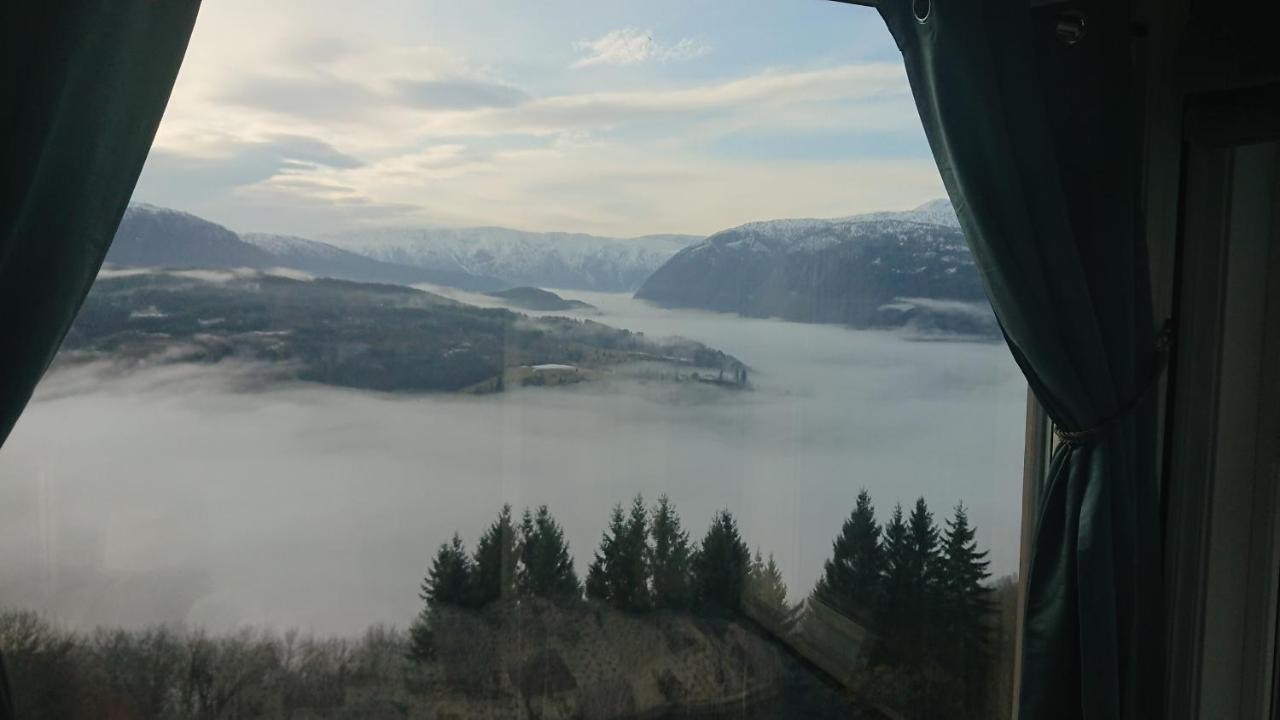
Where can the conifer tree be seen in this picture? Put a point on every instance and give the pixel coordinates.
(636, 559)
(495, 561)
(924, 551)
(670, 559)
(922, 601)
(448, 584)
(546, 567)
(909, 609)
(851, 579)
(965, 610)
(894, 617)
(720, 567)
(600, 582)
(619, 574)
(766, 597)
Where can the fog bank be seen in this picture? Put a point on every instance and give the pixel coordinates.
(197, 494)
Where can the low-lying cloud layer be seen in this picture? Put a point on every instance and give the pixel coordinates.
(198, 494)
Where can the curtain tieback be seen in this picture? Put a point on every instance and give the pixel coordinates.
(1163, 344)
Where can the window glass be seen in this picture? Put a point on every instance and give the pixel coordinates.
(524, 360)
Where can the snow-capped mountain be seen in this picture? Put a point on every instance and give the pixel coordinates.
(874, 270)
(324, 260)
(934, 212)
(151, 236)
(294, 246)
(565, 260)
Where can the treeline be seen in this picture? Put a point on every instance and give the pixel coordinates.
(177, 674)
(921, 593)
(645, 561)
(914, 593)
(902, 617)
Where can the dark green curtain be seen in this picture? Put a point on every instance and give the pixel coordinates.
(84, 85)
(1032, 115)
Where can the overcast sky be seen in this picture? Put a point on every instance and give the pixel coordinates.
(613, 117)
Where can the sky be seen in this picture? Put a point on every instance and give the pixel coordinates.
(609, 117)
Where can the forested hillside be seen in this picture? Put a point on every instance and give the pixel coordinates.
(377, 337)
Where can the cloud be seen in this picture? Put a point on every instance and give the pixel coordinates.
(185, 178)
(770, 89)
(293, 504)
(459, 94)
(305, 129)
(629, 46)
(299, 148)
(475, 151)
(304, 97)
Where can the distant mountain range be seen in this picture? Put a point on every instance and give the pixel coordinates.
(150, 236)
(477, 259)
(887, 269)
(554, 259)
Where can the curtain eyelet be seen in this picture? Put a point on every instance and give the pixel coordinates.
(921, 9)
(1070, 27)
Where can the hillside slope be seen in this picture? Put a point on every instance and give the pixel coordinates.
(155, 237)
(562, 260)
(368, 336)
(879, 270)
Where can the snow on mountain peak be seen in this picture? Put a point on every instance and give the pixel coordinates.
(553, 259)
(292, 245)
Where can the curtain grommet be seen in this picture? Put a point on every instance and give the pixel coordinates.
(1070, 27)
(921, 9)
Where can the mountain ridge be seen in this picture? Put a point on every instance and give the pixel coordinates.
(576, 261)
(875, 270)
(152, 236)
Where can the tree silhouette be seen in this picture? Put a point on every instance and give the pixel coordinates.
(766, 597)
(898, 581)
(909, 609)
(600, 582)
(670, 558)
(546, 567)
(720, 567)
(448, 583)
(851, 580)
(495, 561)
(619, 574)
(636, 557)
(964, 610)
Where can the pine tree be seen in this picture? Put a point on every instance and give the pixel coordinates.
(925, 565)
(909, 611)
(766, 597)
(925, 557)
(894, 616)
(619, 574)
(636, 559)
(670, 559)
(720, 567)
(495, 562)
(546, 567)
(851, 579)
(966, 607)
(448, 584)
(600, 581)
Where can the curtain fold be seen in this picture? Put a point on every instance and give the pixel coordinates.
(1032, 114)
(83, 88)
